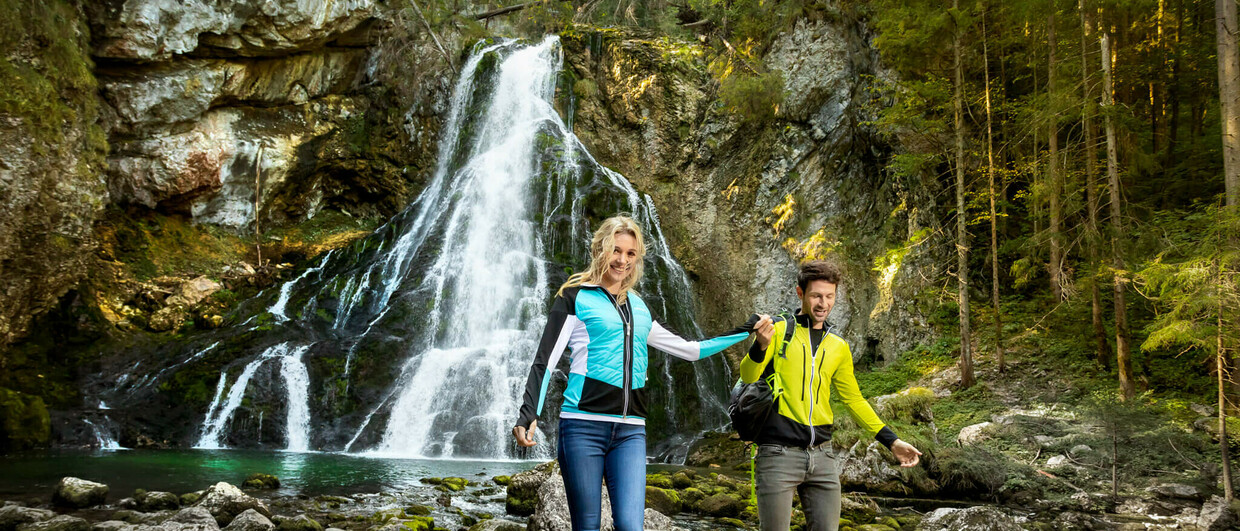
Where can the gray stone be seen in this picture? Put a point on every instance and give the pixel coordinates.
(79, 493)
(1058, 461)
(1176, 490)
(1081, 449)
(12, 516)
(973, 434)
(111, 525)
(225, 501)
(1216, 515)
(63, 522)
(980, 518)
(250, 520)
(1203, 410)
(864, 467)
(157, 501)
(198, 516)
(1043, 440)
(497, 524)
(656, 521)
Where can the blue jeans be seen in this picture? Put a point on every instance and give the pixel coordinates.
(592, 451)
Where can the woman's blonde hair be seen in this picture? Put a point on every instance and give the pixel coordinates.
(601, 247)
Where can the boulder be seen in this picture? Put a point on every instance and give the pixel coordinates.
(551, 512)
(12, 516)
(523, 488)
(79, 493)
(665, 501)
(300, 522)
(225, 501)
(974, 434)
(1216, 515)
(721, 505)
(1176, 490)
(250, 520)
(261, 481)
(157, 501)
(194, 516)
(111, 525)
(656, 521)
(980, 518)
(63, 522)
(864, 467)
(498, 525)
(191, 293)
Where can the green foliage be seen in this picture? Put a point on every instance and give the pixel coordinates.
(24, 421)
(910, 367)
(976, 472)
(755, 98)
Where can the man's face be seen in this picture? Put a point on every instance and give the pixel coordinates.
(817, 299)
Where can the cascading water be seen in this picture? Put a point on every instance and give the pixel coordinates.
(416, 340)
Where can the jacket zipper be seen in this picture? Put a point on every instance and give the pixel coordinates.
(813, 357)
(628, 352)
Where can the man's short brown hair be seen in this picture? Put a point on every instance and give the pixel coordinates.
(818, 270)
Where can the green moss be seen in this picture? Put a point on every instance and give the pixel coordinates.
(24, 419)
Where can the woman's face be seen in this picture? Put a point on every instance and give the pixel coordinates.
(623, 258)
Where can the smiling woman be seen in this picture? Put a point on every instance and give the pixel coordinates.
(607, 328)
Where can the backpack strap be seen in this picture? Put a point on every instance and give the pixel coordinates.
(789, 328)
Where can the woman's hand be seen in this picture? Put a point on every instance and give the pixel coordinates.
(524, 437)
(765, 328)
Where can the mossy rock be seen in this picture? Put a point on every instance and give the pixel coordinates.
(909, 520)
(189, 498)
(418, 510)
(681, 480)
(24, 421)
(732, 522)
(501, 480)
(889, 522)
(721, 505)
(300, 522)
(875, 527)
(665, 501)
(659, 480)
(691, 496)
(452, 484)
(261, 481)
(420, 523)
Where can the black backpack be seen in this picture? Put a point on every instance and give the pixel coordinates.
(751, 404)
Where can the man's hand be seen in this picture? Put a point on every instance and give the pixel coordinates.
(765, 328)
(526, 438)
(906, 453)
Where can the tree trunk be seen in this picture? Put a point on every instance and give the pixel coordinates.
(1055, 268)
(1102, 354)
(1220, 355)
(962, 240)
(1229, 96)
(1123, 352)
(994, 222)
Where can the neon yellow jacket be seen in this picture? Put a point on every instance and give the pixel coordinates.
(804, 416)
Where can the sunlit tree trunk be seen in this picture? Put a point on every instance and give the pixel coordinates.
(994, 221)
(962, 240)
(1229, 96)
(1122, 348)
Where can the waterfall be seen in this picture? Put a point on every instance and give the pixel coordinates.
(425, 329)
(296, 384)
(103, 435)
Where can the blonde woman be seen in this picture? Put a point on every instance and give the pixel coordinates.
(607, 327)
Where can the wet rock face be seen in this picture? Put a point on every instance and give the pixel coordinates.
(150, 30)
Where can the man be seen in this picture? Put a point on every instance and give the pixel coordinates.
(794, 447)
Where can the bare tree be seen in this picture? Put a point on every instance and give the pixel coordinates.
(1123, 349)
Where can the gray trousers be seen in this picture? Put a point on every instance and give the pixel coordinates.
(812, 473)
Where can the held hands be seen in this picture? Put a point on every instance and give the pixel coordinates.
(526, 438)
(765, 330)
(906, 453)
